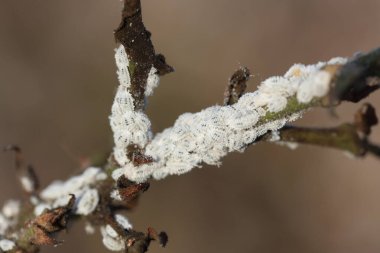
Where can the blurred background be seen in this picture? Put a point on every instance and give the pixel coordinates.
(57, 81)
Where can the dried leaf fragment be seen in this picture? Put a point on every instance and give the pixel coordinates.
(236, 86)
(45, 225)
(55, 219)
(137, 156)
(161, 65)
(129, 190)
(161, 237)
(41, 237)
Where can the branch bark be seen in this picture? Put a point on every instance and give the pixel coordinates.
(133, 35)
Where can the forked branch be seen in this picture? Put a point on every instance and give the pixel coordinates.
(101, 195)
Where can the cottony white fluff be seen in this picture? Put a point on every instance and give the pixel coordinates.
(122, 63)
(111, 239)
(88, 202)
(7, 245)
(123, 221)
(58, 193)
(207, 136)
(27, 184)
(152, 82)
(4, 224)
(115, 193)
(87, 199)
(89, 228)
(9, 216)
(58, 189)
(129, 126)
(11, 208)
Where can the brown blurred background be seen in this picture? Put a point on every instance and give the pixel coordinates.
(57, 80)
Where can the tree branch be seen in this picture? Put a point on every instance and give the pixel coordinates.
(352, 82)
(343, 137)
(133, 35)
(98, 195)
(358, 78)
(207, 136)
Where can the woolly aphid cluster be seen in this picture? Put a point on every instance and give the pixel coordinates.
(195, 138)
(87, 199)
(57, 194)
(82, 186)
(207, 136)
(8, 218)
(129, 126)
(111, 239)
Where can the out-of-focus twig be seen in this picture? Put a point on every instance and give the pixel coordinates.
(25, 172)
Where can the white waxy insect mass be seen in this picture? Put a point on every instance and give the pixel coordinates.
(111, 239)
(116, 195)
(89, 228)
(5, 223)
(152, 82)
(87, 202)
(27, 184)
(123, 221)
(11, 208)
(7, 245)
(207, 136)
(57, 194)
(129, 127)
(194, 139)
(81, 186)
(9, 215)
